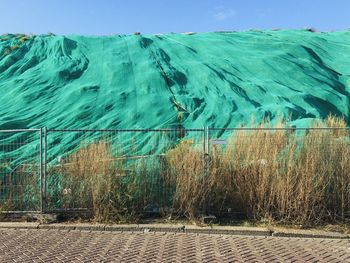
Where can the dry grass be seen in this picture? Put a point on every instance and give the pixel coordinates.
(187, 174)
(20, 191)
(285, 176)
(93, 177)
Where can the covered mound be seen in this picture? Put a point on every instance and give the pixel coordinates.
(172, 80)
(156, 81)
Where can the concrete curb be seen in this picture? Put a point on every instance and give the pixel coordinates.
(309, 234)
(16, 225)
(170, 228)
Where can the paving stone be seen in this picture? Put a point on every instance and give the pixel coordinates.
(36, 245)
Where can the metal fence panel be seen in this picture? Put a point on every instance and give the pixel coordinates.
(20, 170)
(70, 170)
(82, 162)
(266, 157)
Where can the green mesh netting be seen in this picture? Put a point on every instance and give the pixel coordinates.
(213, 79)
(167, 81)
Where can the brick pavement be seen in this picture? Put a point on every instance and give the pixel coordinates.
(40, 245)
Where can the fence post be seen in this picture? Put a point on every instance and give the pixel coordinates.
(44, 169)
(206, 150)
(204, 145)
(41, 170)
(206, 167)
(208, 138)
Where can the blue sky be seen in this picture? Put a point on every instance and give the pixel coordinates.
(105, 17)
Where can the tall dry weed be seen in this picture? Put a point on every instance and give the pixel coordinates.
(290, 176)
(115, 187)
(187, 174)
(92, 178)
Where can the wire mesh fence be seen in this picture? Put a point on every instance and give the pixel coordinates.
(256, 171)
(20, 170)
(284, 173)
(131, 165)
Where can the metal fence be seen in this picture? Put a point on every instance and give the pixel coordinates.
(316, 155)
(135, 157)
(45, 170)
(21, 170)
(41, 169)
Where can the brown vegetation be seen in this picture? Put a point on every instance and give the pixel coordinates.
(284, 175)
(289, 176)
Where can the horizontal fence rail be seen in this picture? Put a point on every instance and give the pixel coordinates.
(155, 170)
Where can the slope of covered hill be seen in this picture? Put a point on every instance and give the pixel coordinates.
(172, 80)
